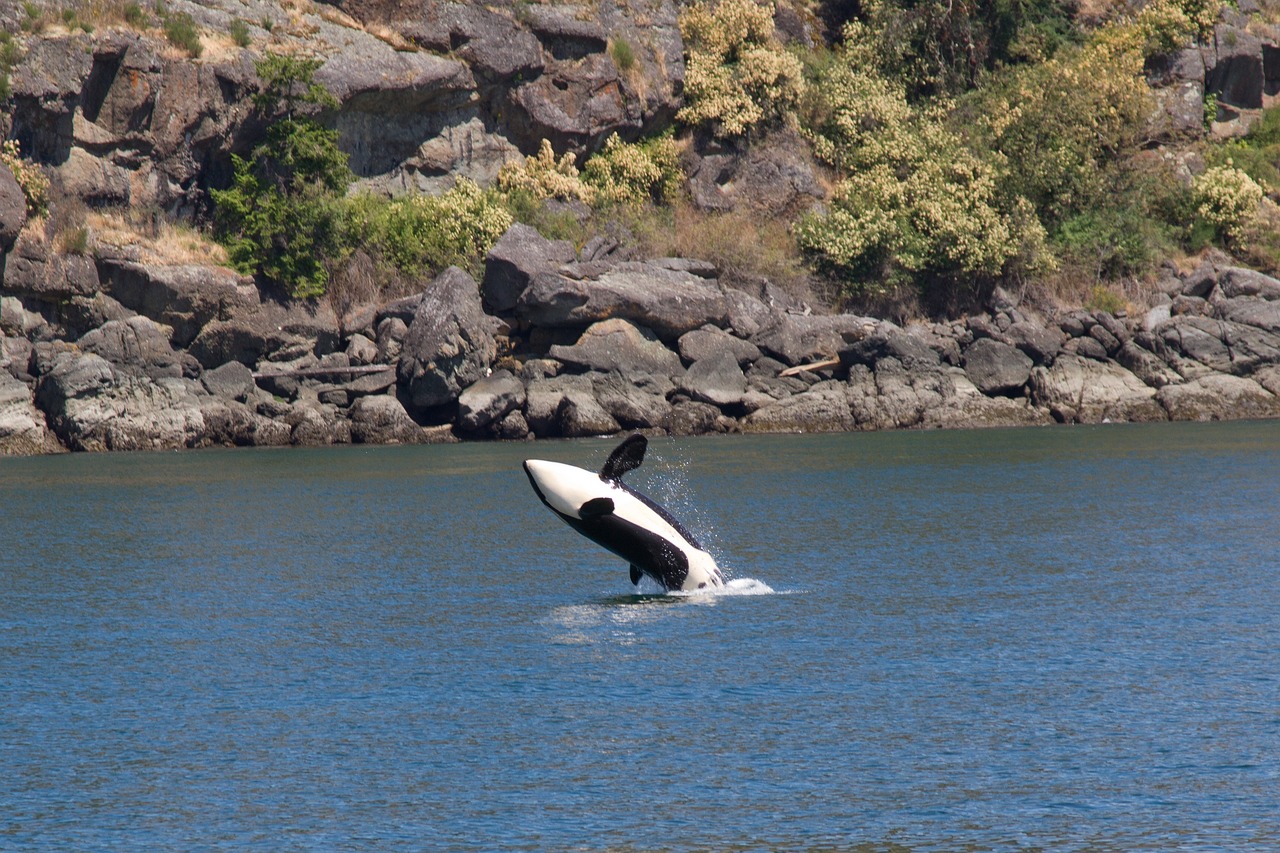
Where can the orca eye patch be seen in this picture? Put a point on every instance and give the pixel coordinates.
(595, 508)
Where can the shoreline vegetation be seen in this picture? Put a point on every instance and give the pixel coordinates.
(248, 223)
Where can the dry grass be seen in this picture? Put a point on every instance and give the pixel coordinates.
(152, 239)
(746, 248)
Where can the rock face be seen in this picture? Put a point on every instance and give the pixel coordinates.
(450, 342)
(102, 351)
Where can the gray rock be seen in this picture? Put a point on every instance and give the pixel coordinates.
(1147, 366)
(271, 331)
(33, 269)
(1237, 281)
(513, 262)
(361, 350)
(22, 426)
(708, 341)
(822, 408)
(635, 402)
(1251, 311)
(795, 339)
(887, 340)
(581, 415)
(138, 345)
(747, 315)
(513, 427)
(1087, 391)
(450, 343)
(317, 425)
(996, 368)
(1041, 343)
(391, 334)
(1110, 343)
(716, 380)
(82, 314)
(184, 297)
(618, 345)
(13, 209)
(489, 400)
(668, 302)
(1087, 347)
(780, 179)
(544, 397)
(229, 423)
(694, 418)
(231, 381)
(90, 407)
(383, 420)
(1220, 345)
(1218, 397)
(965, 407)
(1236, 74)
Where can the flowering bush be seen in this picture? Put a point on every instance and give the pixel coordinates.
(1227, 199)
(643, 171)
(34, 183)
(543, 176)
(737, 77)
(422, 234)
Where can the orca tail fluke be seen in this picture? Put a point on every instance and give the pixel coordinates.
(627, 456)
(636, 574)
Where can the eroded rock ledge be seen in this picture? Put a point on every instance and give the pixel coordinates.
(115, 354)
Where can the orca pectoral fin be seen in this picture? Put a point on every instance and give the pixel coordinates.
(595, 508)
(625, 457)
(636, 574)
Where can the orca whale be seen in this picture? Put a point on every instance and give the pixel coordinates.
(617, 517)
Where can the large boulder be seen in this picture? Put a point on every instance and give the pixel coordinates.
(92, 407)
(183, 297)
(1218, 397)
(450, 343)
(822, 408)
(670, 302)
(383, 420)
(137, 345)
(22, 426)
(800, 339)
(1081, 390)
(996, 368)
(13, 209)
(488, 401)
(269, 331)
(634, 401)
(618, 345)
(717, 380)
(519, 255)
(708, 341)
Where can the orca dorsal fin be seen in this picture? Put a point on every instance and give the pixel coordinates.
(636, 574)
(625, 457)
(595, 508)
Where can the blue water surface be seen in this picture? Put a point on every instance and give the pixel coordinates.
(1045, 639)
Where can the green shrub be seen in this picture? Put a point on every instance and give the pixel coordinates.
(624, 55)
(282, 216)
(240, 33)
(624, 173)
(738, 79)
(134, 16)
(180, 30)
(421, 235)
(915, 204)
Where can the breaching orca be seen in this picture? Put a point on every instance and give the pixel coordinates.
(615, 516)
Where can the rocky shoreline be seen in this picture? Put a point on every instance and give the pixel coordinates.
(557, 343)
(104, 347)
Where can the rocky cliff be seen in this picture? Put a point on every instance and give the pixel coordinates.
(116, 347)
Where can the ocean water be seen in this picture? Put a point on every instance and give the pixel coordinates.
(1045, 639)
